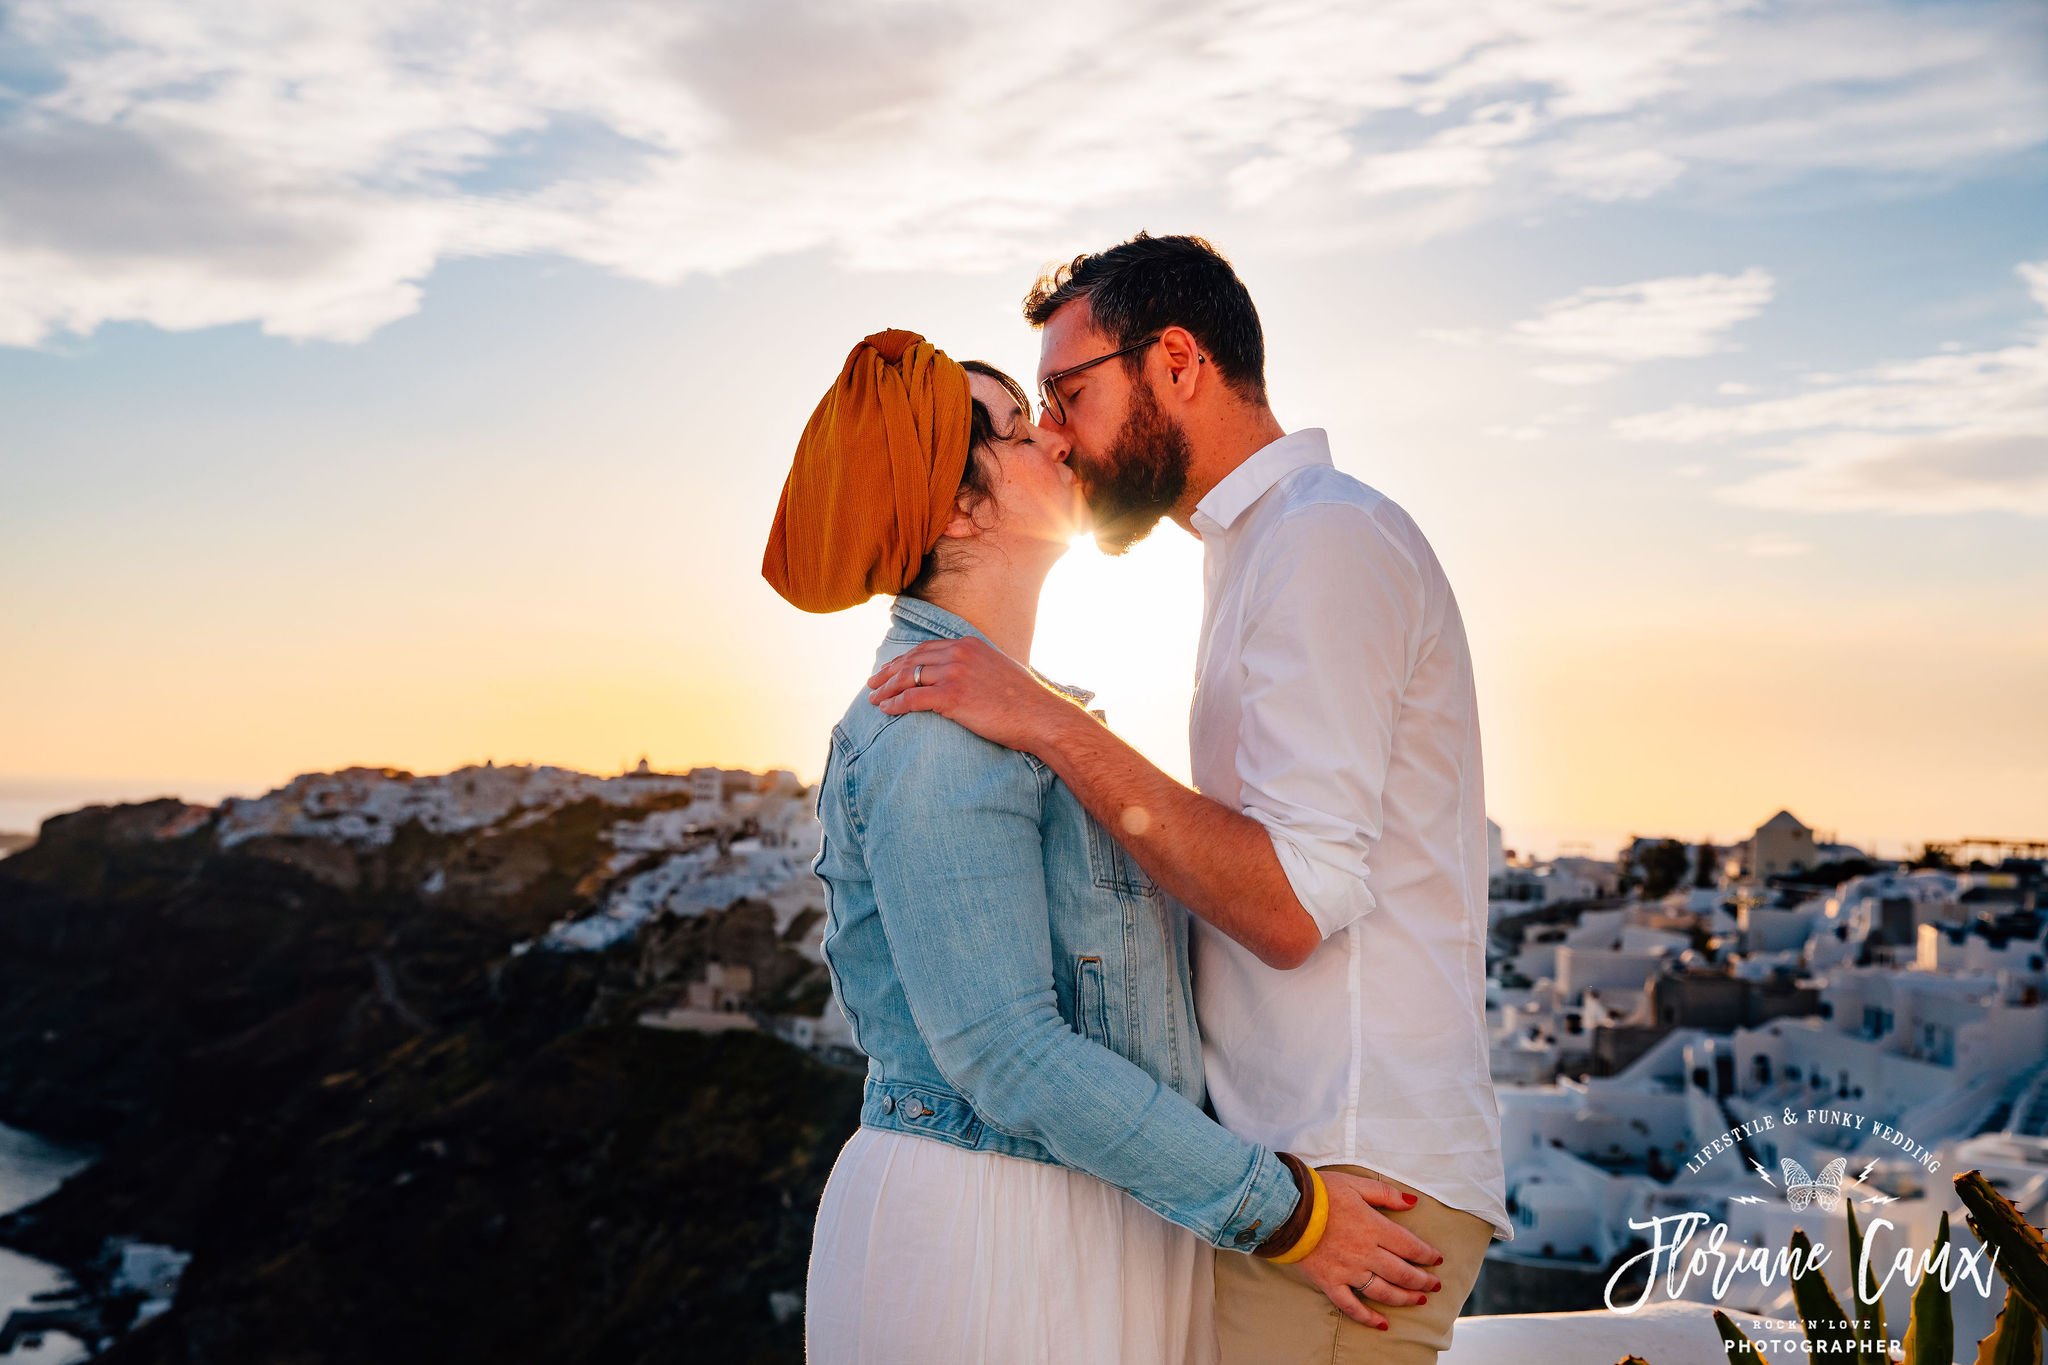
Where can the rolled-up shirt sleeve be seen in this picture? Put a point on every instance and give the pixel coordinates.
(1331, 640)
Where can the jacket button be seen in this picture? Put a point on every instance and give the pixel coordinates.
(1244, 1239)
(889, 1104)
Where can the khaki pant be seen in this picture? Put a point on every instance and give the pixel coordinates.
(1270, 1314)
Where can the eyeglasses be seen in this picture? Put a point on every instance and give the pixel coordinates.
(1050, 394)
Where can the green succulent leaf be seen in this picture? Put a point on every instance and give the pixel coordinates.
(1732, 1339)
(1870, 1315)
(2022, 1253)
(1931, 1330)
(2015, 1337)
(1818, 1306)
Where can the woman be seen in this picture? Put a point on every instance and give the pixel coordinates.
(1017, 982)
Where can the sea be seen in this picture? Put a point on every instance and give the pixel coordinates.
(25, 802)
(29, 1166)
(29, 1169)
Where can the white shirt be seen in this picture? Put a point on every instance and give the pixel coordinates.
(1334, 705)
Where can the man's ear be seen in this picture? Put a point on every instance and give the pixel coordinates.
(1186, 369)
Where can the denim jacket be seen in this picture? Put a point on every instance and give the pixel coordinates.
(1019, 985)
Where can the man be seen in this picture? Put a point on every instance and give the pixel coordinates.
(1334, 848)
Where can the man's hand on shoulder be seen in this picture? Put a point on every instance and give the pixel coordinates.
(1213, 859)
(973, 683)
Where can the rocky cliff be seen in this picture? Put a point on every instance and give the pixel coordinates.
(387, 1120)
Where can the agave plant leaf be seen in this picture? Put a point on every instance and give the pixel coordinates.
(2015, 1337)
(1633, 1360)
(1818, 1307)
(2022, 1253)
(1869, 1315)
(1732, 1339)
(1931, 1330)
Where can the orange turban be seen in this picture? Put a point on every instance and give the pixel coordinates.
(874, 478)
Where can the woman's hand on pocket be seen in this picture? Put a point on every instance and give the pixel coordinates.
(1362, 1247)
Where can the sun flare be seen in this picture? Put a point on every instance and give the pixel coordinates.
(1125, 628)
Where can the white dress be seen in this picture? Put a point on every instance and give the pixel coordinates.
(925, 1252)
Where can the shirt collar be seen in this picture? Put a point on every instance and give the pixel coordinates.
(937, 620)
(1264, 467)
(917, 612)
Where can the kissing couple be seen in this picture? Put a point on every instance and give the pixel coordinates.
(1089, 1131)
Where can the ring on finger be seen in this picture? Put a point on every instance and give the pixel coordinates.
(917, 676)
(1370, 1276)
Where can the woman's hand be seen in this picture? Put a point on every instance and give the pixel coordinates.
(1364, 1250)
(973, 683)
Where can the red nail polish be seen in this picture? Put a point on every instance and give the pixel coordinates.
(1383, 1327)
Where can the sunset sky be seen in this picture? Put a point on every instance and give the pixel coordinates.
(411, 384)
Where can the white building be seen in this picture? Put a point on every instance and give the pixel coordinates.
(1774, 929)
(366, 807)
(1983, 949)
(1943, 1046)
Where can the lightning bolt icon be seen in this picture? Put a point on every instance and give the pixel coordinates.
(1748, 1199)
(1764, 1173)
(1864, 1174)
(1877, 1199)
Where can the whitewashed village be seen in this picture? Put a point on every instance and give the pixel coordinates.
(1682, 1031)
(683, 843)
(1817, 1004)
(1670, 1029)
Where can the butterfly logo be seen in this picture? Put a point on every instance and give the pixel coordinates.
(1824, 1190)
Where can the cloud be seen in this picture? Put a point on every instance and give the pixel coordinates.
(1591, 372)
(1653, 320)
(1609, 326)
(1923, 93)
(1764, 545)
(1540, 427)
(1927, 476)
(1949, 432)
(304, 166)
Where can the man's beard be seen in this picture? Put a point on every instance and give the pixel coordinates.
(1139, 479)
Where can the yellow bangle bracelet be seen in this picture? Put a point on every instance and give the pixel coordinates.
(1318, 1222)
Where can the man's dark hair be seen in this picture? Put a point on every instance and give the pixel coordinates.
(1151, 283)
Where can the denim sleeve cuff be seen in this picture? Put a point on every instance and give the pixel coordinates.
(1333, 897)
(1265, 1206)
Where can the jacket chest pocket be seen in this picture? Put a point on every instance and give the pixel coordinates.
(1114, 869)
(1089, 1001)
